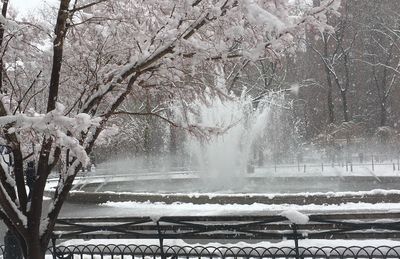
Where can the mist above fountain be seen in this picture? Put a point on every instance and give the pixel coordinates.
(243, 126)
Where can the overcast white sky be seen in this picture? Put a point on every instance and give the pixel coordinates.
(27, 6)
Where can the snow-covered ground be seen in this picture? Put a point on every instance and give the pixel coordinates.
(157, 210)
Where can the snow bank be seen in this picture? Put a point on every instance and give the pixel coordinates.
(160, 209)
(295, 217)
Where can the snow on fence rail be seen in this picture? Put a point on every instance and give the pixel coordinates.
(278, 227)
(290, 225)
(154, 251)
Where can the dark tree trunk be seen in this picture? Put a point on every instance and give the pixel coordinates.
(343, 96)
(36, 244)
(383, 113)
(382, 95)
(343, 91)
(173, 146)
(34, 250)
(58, 46)
(4, 13)
(346, 117)
(331, 107)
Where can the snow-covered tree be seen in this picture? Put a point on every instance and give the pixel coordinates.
(382, 58)
(101, 53)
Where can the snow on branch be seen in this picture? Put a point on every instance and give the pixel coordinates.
(182, 36)
(8, 24)
(12, 209)
(66, 131)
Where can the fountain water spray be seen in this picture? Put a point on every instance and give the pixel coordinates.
(243, 124)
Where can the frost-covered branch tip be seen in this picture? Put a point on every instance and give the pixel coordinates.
(66, 131)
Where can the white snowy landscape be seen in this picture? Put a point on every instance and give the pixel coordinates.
(199, 128)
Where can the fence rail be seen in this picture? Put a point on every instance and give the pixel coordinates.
(328, 226)
(326, 166)
(216, 228)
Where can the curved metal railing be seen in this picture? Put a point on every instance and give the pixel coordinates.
(154, 251)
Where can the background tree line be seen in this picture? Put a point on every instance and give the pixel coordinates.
(342, 87)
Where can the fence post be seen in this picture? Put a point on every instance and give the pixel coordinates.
(298, 165)
(161, 241)
(372, 160)
(304, 168)
(53, 245)
(322, 166)
(351, 166)
(296, 240)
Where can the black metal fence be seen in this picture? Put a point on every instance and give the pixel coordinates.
(143, 251)
(230, 229)
(269, 227)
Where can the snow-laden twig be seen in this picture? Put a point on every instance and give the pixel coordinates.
(63, 129)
